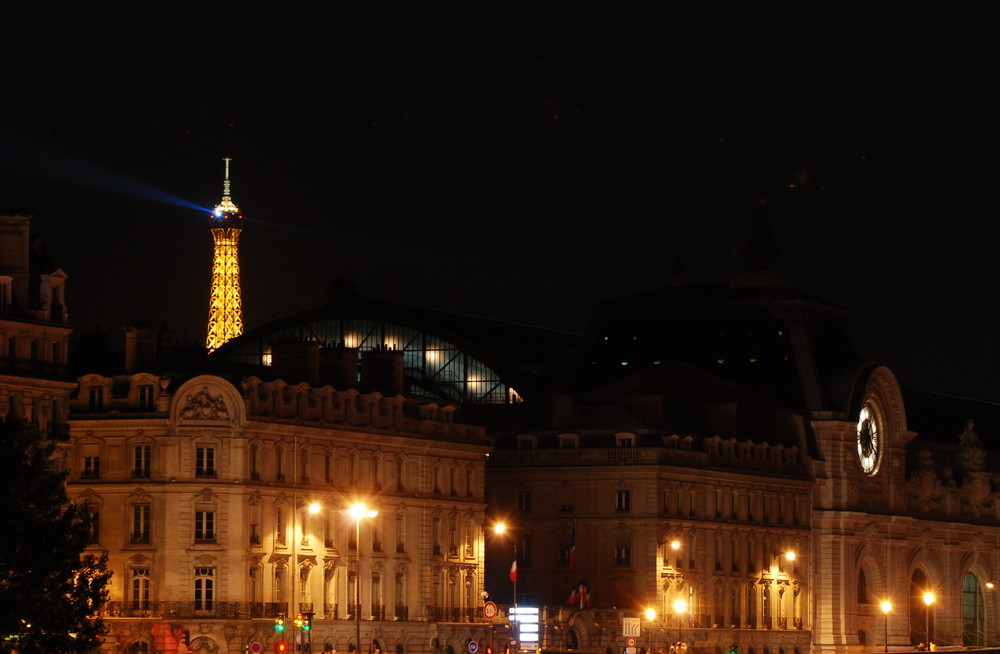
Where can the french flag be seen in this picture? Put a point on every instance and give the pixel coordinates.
(572, 549)
(513, 570)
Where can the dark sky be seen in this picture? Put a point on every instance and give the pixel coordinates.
(519, 160)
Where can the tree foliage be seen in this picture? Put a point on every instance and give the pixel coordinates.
(50, 591)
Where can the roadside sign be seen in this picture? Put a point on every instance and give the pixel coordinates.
(255, 647)
(630, 650)
(490, 610)
(630, 642)
(630, 627)
(473, 647)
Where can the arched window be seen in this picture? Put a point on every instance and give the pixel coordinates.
(973, 632)
(862, 587)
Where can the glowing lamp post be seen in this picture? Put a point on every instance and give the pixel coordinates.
(680, 608)
(358, 511)
(651, 616)
(886, 607)
(928, 600)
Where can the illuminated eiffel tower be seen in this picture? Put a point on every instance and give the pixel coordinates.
(225, 309)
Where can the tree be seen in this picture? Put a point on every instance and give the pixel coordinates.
(50, 591)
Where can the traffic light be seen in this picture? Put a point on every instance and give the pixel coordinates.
(298, 620)
(307, 624)
(280, 647)
(733, 649)
(279, 623)
(186, 637)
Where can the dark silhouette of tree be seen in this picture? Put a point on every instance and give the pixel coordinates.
(50, 591)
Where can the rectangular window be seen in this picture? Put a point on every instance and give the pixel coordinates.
(145, 396)
(623, 500)
(304, 467)
(327, 468)
(452, 537)
(376, 524)
(255, 462)
(5, 285)
(91, 467)
(255, 533)
(94, 526)
(140, 524)
(623, 556)
(524, 501)
(204, 588)
(140, 589)
(279, 525)
(400, 533)
(204, 463)
(140, 461)
(524, 551)
(204, 526)
(95, 397)
(625, 441)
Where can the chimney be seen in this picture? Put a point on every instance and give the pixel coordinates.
(339, 366)
(382, 371)
(140, 346)
(296, 361)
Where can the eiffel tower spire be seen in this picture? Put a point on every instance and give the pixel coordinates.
(225, 308)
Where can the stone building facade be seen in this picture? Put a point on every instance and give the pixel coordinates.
(34, 331)
(754, 469)
(222, 506)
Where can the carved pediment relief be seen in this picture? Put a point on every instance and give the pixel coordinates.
(208, 400)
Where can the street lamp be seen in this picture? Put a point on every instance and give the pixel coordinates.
(680, 608)
(928, 600)
(651, 616)
(358, 511)
(886, 607)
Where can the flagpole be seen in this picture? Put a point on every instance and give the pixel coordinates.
(517, 622)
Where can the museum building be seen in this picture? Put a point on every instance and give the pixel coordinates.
(714, 454)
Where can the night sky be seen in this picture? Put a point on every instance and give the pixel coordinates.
(518, 160)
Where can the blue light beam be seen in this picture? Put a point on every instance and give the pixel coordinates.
(19, 154)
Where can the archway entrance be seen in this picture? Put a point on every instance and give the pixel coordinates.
(921, 612)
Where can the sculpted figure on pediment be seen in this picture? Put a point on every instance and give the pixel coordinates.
(923, 487)
(202, 406)
(971, 454)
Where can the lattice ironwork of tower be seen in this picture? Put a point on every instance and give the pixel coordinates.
(225, 309)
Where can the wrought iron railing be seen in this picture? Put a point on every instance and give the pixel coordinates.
(205, 609)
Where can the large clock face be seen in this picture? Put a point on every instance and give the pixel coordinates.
(869, 440)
